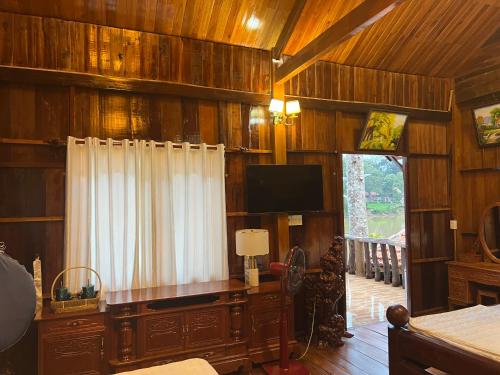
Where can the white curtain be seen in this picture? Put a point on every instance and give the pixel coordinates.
(145, 214)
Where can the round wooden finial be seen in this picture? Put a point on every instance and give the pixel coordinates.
(397, 315)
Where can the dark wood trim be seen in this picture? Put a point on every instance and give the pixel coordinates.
(288, 29)
(32, 164)
(308, 213)
(365, 107)
(33, 219)
(431, 260)
(32, 142)
(324, 152)
(135, 85)
(479, 170)
(247, 151)
(358, 19)
(430, 156)
(422, 210)
(486, 84)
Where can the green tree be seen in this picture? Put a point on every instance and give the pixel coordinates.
(495, 116)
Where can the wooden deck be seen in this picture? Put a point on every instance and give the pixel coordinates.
(367, 300)
(364, 354)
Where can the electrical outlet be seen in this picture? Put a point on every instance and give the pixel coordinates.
(453, 224)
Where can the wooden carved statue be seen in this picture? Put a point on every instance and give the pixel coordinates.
(327, 290)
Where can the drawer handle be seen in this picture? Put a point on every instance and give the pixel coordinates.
(207, 355)
(74, 323)
(271, 297)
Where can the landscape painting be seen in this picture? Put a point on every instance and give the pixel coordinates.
(383, 131)
(487, 121)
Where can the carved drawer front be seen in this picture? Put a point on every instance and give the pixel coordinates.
(266, 300)
(164, 333)
(206, 327)
(264, 326)
(69, 325)
(458, 289)
(75, 354)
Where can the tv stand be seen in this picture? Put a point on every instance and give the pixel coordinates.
(155, 326)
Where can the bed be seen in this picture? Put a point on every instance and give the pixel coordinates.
(459, 342)
(194, 366)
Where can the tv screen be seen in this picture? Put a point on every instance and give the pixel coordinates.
(284, 188)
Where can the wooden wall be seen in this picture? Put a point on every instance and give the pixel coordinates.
(321, 136)
(32, 173)
(51, 43)
(476, 180)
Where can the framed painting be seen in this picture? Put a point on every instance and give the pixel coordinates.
(487, 123)
(383, 131)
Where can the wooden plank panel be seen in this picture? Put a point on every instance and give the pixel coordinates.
(86, 48)
(209, 122)
(25, 240)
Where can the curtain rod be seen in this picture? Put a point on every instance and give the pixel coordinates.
(157, 144)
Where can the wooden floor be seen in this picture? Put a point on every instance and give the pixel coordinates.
(367, 300)
(364, 354)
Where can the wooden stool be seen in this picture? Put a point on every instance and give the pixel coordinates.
(487, 297)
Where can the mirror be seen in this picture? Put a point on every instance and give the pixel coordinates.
(489, 232)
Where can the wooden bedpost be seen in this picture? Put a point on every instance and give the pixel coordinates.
(398, 317)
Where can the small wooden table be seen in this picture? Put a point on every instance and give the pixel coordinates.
(465, 279)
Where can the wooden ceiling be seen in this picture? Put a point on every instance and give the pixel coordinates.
(251, 23)
(444, 38)
(429, 37)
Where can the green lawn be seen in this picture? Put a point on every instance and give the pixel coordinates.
(383, 208)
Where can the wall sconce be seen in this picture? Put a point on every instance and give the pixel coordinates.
(292, 110)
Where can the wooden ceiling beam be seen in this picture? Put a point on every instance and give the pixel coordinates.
(358, 19)
(133, 85)
(288, 28)
(480, 86)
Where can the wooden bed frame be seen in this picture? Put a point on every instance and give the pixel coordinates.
(411, 353)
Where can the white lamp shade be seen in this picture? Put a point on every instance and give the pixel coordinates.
(292, 107)
(276, 105)
(252, 242)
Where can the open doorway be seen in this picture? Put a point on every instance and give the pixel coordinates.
(374, 229)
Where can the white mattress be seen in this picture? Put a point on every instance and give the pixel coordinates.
(194, 366)
(475, 329)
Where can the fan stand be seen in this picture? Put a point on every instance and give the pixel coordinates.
(285, 366)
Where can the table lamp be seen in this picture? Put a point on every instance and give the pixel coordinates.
(250, 243)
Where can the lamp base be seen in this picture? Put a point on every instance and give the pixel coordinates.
(294, 368)
(251, 271)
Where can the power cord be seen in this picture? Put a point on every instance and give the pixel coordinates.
(312, 331)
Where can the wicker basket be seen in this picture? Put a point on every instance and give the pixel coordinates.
(75, 304)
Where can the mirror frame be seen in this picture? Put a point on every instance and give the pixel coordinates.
(482, 239)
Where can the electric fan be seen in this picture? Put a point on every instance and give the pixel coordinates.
(291, 273)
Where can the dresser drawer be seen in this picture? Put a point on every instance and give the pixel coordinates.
(57, 326)
(265, 300)
(458, 290)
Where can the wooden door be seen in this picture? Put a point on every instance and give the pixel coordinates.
(75, 353)
(162, 333)
(428, 220)
(206, 327)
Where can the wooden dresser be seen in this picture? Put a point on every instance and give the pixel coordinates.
(224, 322)
(155, 326)
(466, 280)
(263, 322)
(72, 343)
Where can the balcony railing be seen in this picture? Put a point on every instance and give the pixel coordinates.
(377, 258)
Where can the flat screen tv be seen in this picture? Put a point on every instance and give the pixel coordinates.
(284, 188)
